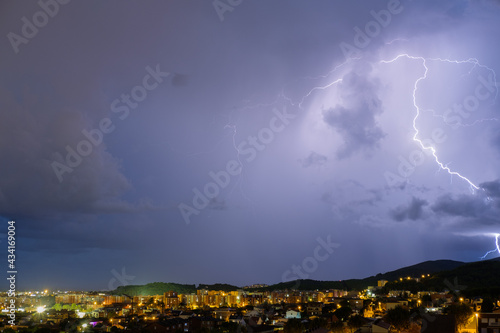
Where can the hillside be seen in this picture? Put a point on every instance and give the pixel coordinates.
(155, 288)
(159, 288)
(472, 278)
(427, 267)
(218, 286)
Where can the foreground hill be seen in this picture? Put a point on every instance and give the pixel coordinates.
(424, 268)
(427, 267)
(159, 288)
(471, 279)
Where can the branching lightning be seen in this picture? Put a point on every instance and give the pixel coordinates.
(280, 97)
(474, 62)
(433, 150)
(235, 146)
(318, 88)
(233, 128)
(313, 89)
(497, 249)
(418, 110)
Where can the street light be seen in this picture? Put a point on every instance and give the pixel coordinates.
(40, 310)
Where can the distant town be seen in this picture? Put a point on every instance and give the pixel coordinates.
(374, 309)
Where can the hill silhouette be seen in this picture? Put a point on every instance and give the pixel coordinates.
(159, 288)
(474, 278)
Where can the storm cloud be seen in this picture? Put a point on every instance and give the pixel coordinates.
(413, 211)
(355, 117)
(115, 114)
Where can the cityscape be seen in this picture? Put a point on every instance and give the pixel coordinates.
(401, 305)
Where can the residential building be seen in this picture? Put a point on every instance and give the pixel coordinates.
(488, 322)
(290, 314)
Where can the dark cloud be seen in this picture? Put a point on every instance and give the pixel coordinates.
(355, 118)
(313, 159)
(223, 102)
(476, 207)
(461, 205)
(33, 138)
(492, 188)
(413, 211)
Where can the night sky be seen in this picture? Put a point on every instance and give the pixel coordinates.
(247, 141)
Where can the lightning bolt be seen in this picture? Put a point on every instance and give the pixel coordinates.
(416, 137)
(314, 89)
(319, 87)
(497, 249)
(238, 153)
(233, 128)
(280, 98)
(396, 40)
(472, 61)
(433, 150)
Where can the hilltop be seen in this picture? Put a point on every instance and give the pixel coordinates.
(475, 277)
(158, 288)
